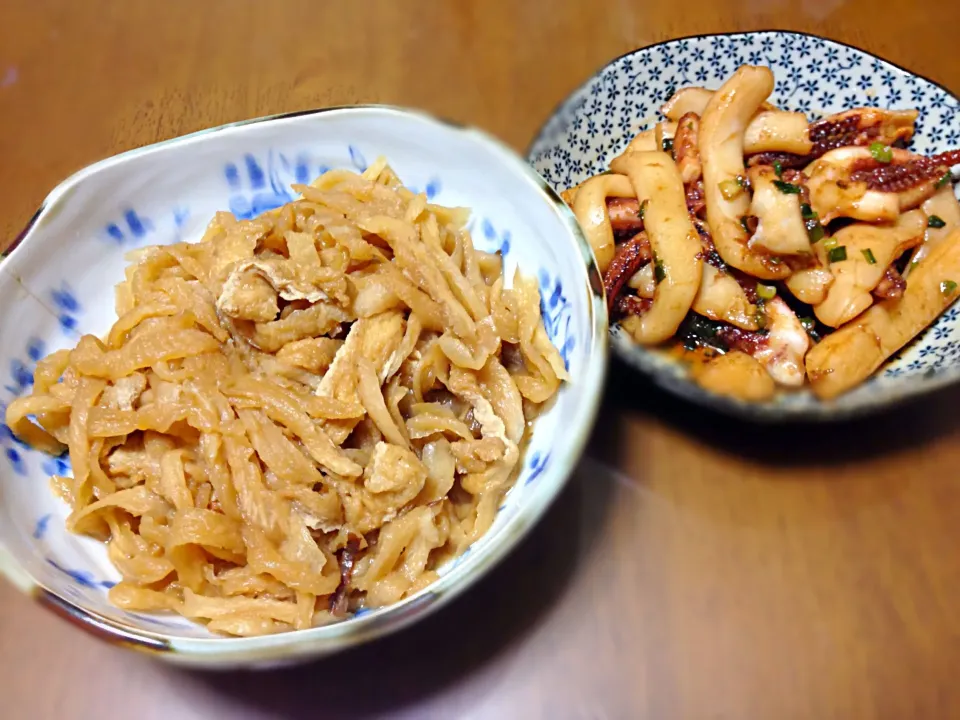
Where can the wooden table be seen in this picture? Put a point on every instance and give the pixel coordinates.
(695, 567)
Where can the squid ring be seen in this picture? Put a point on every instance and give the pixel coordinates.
(673, 238)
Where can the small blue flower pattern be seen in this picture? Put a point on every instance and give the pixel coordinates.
(813, 75)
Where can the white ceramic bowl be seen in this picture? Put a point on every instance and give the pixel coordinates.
(58, 283)
(814, 76)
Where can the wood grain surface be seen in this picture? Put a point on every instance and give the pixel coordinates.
(695, 567)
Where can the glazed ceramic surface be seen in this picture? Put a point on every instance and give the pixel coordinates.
(814, 76)
(58, 284)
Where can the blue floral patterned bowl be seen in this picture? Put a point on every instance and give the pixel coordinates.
(58, 283)
(814, 76)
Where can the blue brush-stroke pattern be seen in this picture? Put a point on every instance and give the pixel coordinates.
(82, 577)
(487, 227)
(21, 377)
(356, 157)
(40, 529)
(254, 172)
(555, 308)
(135, 228)
(19, 382)
(36, 349)
(15, 458)
(180, 216)
(259, 189)
(21, 373)
(431, 190)
(300, 168)
(557, 315)
(6, 434)
(461, 557)
(150, 620)
(496, 242)
(68, 308)
(538, 463)
(56, 466)
(250, 195)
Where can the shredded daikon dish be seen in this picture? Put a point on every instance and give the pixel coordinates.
(301, 415)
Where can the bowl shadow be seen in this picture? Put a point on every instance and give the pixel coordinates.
(430, 657)
(909, 424)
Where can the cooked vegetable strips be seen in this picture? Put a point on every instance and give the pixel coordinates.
(280, 426)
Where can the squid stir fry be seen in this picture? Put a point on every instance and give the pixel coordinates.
(776, 252)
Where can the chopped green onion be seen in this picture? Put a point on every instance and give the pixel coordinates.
(643, 209)
(881, 153)
(935, 221)
(760, 317)
(767, 292)
(810, 218)
(838, 254)
(944, 180)
(659, 272)
(810, 326)
(829, 243)
(730, 189)
(741, 181)
(868, 256)
(778, 168)
(948, 287)
(786, 188)
(667, 144)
